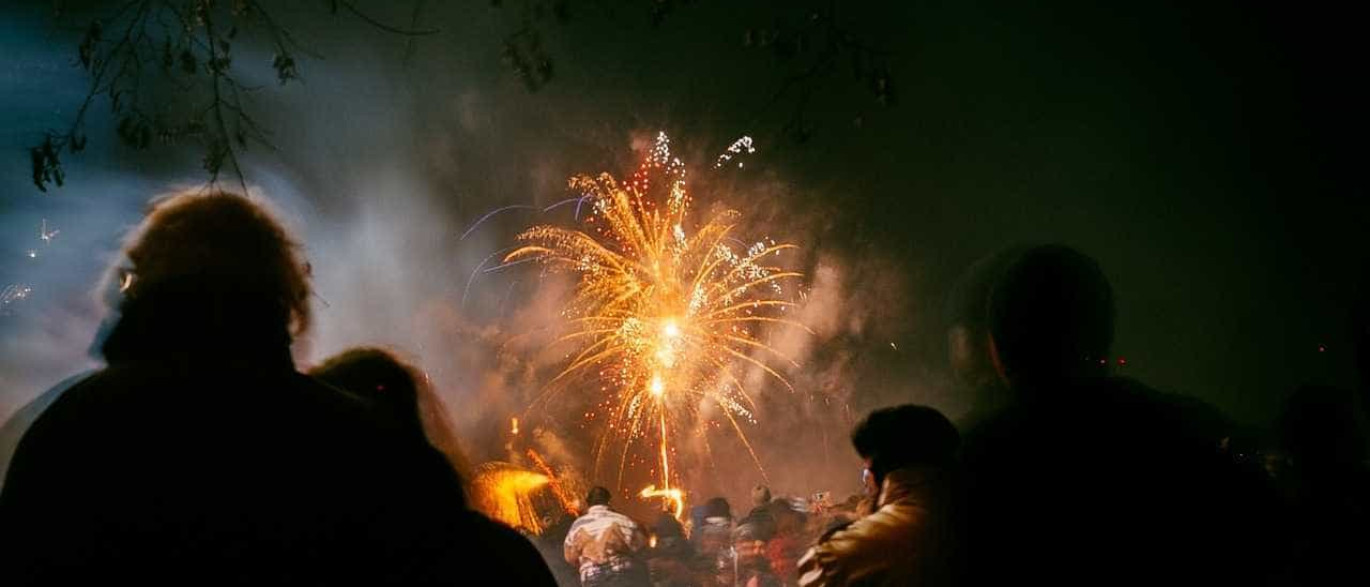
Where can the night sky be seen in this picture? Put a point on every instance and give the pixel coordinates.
(1203, 155)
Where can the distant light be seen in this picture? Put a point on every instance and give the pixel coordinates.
(892, 345)
(33, 254)
(1322, 348)
(1122, 360)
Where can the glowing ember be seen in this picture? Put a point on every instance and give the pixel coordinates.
(666, 311)
(514, 426)
(674, 497)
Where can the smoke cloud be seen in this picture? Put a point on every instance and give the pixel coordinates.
(384, 167)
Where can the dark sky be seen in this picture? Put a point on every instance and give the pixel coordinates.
(1203, 155)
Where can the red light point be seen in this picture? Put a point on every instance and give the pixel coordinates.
(1322, 348)
(1122, 361)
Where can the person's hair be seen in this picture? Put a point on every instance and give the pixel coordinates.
(666, 526)
(379, 377)
(717, 507)
(598, 495)
(1051, 316)
(967, 303)
(400, 391)
(221, 246)
(903, 436)
(761, 495)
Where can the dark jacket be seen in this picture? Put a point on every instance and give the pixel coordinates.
(758, 525)
(18, 423)
(200, 455)
(1107, 481)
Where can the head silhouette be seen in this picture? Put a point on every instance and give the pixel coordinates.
(967, 318)
(761, 495)
(598, 496)
(666, 526)
(717, 507)
(400, 393)
(905, 436)
(1051, 317)
(203, 265)
(379, 377)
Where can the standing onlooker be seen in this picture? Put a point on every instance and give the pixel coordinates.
(606, 546)
(713, 542)
(789, 542)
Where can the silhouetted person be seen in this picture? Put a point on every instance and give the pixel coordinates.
(910, 455)
(750, 536)
(199, 454)
(671, 555)
(400, 393)
(968, 339)
(552, 543)
(713, 542)
(1090, 479)
(760, 520)
(606, 546)
(789, 542)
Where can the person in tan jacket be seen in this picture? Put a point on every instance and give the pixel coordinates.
(606, 546)
(912, 537)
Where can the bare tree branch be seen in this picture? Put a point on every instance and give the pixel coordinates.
(382, 26)
(188, 47)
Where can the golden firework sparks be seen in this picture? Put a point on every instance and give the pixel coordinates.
(505, 493)
(562, 498)
(673, 497)
(669, 313)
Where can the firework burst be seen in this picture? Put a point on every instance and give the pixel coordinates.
(667, 314)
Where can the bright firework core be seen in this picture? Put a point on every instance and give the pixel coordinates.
(658, 388)
(667, 320)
